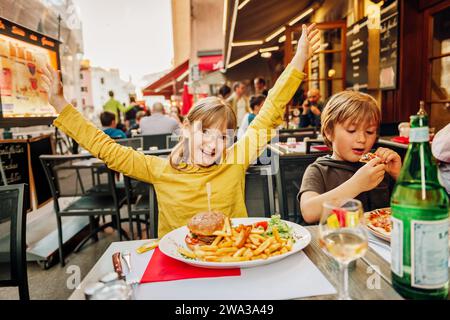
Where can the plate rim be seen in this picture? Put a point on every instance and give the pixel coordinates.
(240, 264)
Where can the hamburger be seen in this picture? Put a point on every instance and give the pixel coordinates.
(202, 227)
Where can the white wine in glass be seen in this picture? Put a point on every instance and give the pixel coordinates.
(343, 236)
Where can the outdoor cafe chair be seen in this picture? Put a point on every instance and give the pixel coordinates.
(13, 264)
(154, 140)
(70, 177)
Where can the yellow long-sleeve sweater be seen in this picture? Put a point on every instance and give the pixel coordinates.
(181, 194)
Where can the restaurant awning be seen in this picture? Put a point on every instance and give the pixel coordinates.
(167, 85)
(254, 25)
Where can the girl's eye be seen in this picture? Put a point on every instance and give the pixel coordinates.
(351, 130)
(370, 132)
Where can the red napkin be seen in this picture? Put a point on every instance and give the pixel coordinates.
(164, 268)
(404, 140)
(320, 148)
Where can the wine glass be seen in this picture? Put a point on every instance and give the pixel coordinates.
(342, 236)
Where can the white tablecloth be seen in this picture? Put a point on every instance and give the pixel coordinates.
(293, 277)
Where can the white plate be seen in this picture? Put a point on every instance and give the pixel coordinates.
(171, 241)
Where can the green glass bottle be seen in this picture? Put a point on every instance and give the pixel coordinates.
(420, 211)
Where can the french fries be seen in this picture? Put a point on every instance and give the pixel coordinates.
(240, 243)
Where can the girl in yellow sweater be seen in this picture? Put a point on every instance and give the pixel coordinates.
(202, 156)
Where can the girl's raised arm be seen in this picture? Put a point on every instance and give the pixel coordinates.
(122, 159)
(262, 128)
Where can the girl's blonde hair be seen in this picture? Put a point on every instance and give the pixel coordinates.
(210, 111)
(348, 105)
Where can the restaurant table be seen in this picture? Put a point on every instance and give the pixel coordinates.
(371, 269)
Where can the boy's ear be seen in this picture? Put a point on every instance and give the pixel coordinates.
(329, 135)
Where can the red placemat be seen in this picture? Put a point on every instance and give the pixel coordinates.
(164, 268)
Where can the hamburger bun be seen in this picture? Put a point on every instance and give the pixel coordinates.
(202, 226)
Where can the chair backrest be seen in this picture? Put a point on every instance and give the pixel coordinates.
(259, 191)
(13, 268)
(172, 141)
(289, 178)
(135, 143)
(163, 153)
(155, 140)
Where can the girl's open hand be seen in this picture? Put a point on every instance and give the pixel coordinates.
(307, 45)
(53, 86)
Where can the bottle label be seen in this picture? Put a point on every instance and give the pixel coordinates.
(397, 246)
(429, 254)
(421, 134)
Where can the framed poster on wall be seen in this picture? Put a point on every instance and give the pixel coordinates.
(23, 54)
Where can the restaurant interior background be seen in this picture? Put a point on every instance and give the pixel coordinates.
(398, 51)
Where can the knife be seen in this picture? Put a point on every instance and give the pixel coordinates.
(117, 264)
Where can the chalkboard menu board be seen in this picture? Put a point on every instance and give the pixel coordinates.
(39, 146)
(357, 56)
(389, 45)
(14, 156)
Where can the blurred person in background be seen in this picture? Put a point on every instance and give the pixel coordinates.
(311, 109)
(256, 103)
(108, 121)
(115, 107)
(130, 115)
(224, 92)
(238, 101)
(158, 122)
(441, 151)
(260, 86)
(135, 128)
(175, 114)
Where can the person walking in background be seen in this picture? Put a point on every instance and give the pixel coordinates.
(108, 121)
(260, 86)
(135, 128)
(224, 92)
(115, 107)
(312, 109)
(256, 103)
(239, 101)
(158, 122)
(130, 115)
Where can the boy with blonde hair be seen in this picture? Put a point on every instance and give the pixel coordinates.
(350, 123)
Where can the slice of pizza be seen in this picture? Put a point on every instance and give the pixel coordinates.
(367, 157)
(379, 220)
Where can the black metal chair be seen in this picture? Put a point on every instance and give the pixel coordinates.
(259, 191)
(13, 264)
(299, 134)
(137, 143)
(155, 140)
(172, 141)
(90, 201)
(288, 179)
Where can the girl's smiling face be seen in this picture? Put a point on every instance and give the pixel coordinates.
(351, 140)
(207, 145)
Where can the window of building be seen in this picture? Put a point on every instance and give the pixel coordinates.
(102, 80)
(84, 89)
(81, 76)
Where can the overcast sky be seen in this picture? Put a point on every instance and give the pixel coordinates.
(134, 36)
